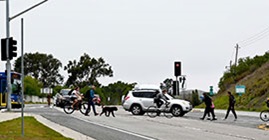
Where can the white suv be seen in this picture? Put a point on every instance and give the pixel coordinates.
(137, 101)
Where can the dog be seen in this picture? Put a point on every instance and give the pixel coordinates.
(107, 110)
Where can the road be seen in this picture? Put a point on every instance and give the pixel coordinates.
(126, 126)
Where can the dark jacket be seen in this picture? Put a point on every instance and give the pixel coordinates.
(231, 100)
(207, 100)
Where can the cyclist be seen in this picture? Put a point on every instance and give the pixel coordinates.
(160, 97)
(76, 96)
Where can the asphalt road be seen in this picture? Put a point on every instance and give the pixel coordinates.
(126, 126)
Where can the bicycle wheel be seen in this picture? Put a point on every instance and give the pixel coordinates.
(68, 109)
(167, 113)
(152, 111)
(264, 115)
(84, 107)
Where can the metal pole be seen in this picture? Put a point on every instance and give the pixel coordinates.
(22, 79)
(8, 66)
(28, 9)
(237, 47)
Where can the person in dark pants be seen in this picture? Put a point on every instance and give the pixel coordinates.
(231, 106)
(49, 98)
(160, 97)
(208, 108)
(90, 98)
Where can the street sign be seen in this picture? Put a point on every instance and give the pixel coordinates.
(240, 89)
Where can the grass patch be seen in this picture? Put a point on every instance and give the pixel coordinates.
(33, 130)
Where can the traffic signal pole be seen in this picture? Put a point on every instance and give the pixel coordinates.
(8, 65)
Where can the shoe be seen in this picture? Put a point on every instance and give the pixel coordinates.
(96, 114)
(202, 118)
(87, 115)
(214, 119)
(224, 119)
(235, 119)
(208, 118)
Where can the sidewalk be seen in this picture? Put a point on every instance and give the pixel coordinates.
(4, 116)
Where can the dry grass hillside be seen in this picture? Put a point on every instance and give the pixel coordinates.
(257, 90)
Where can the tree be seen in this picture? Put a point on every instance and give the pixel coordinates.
(195, 98)
(86, 71)
(32, 86)
(43, 67)
(114, 91)
(168, 85)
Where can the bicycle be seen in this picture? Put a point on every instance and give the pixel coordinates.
(264, 115)
(80, 105)
(153, 110)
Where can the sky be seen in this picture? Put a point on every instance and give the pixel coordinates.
(141, 39)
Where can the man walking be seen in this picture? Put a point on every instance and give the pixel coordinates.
(90, 98)
(231, 106)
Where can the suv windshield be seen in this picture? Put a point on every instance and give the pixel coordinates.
(65, 91)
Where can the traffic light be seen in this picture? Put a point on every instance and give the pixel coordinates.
(12, 48)
(4, 49)
(177, 67)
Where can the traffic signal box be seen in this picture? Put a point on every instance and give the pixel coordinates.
(177, 67)
(12, 51)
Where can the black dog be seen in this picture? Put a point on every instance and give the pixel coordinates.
(107, 110)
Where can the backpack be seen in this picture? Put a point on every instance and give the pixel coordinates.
(88, 94)
(234, 100)
(70, 92)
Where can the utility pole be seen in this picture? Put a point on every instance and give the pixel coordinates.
(236, 54)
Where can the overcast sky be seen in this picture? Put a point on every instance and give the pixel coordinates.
(141, 39)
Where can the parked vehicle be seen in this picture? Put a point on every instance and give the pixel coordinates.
(62, 97)
(139, 99)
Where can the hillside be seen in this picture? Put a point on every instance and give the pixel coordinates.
(257, 89)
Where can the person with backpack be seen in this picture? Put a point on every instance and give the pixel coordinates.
(90, 98)
(231, 106)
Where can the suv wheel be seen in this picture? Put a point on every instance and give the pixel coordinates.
(136, 110)
(177, 111)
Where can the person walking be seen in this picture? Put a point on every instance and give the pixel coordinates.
(231, 106)
(90, 98)
(209, 108)
(48, 99)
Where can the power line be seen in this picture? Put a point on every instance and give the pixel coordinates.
(264, 33)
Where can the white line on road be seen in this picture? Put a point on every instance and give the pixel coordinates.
(117, 129)
(109, 127)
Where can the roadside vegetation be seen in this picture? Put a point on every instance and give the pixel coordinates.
(254, 74)
(33, 130)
